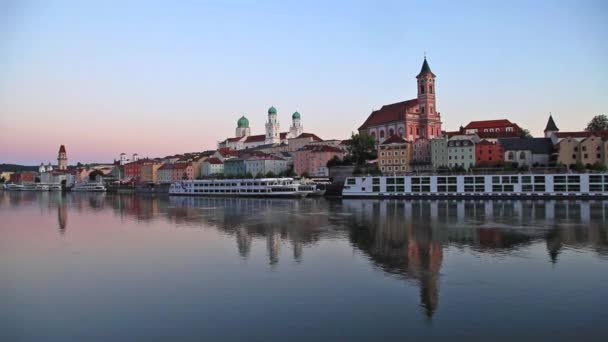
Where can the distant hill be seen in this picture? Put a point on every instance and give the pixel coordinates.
(16, 168)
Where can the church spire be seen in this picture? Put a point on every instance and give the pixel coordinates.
(551, 126)
(426, 69)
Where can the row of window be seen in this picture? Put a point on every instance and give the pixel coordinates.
(496, 180)
(393, 168)
(495, 188)
(389, 153)
(388, 161)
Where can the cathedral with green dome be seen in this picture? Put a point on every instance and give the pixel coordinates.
(243, 138)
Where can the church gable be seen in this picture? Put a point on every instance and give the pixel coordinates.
(395, 112)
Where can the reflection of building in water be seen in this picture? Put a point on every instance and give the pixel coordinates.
(406, 237)
(399, 238)
(243, 242)
(62, 214)
(270, 220)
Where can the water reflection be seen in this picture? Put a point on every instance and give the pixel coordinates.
(405, 239)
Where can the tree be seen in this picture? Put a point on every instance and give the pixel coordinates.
(2, 180)
(526, 134)
(259, 175)
(248, 175)
(599, 167)
(361, 147)
(270, 174)
(305, 175)
(598, 123)
(335, 161)
(579, 167)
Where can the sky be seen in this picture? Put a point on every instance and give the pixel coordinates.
(166, 77)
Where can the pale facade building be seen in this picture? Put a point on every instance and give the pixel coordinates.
(461, 151)
(439, 152)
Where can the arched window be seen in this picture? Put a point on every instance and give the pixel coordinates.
(522, 155)
(430, 89)
(391, 132)
(373, 135)
(381, 134)
(401, 132)
(421, 89)
(511, 156)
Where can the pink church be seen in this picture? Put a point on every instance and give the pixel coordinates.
(411, 119)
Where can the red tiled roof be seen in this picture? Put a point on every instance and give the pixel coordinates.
(262, 137)
(234, 139)
(309, 135)
(485, 142)
(166, 167)
(321, 148)
(180, 166)
(581, 134)
(489, 124)
(395, 139)
(495, 135)
(226, 151)
(389, 113)
(213, 160)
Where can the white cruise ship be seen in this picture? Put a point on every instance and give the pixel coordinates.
(262, 187)
(89, 186)
(514, 185)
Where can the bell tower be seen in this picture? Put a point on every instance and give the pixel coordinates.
(62, 159)
(430, 120)
(272, 127)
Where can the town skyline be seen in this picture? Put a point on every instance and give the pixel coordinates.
(166, 92)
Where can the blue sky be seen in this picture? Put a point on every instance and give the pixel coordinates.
(164, 77)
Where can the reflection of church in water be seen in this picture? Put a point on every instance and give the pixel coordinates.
(407, 239)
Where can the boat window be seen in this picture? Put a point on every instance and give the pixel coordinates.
(574, 187)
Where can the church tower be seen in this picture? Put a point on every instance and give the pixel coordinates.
(430, 120)
(551, 127)
(242, 128)
(296, 126)
(272, 127)
(62, 159)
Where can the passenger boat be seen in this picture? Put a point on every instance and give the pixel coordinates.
(89, 186)
(13, 187)
(55, 187)
(514, 185)
(30, 187)
(312, 190)
(262, 187)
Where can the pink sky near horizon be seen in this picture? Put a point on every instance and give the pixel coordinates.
(140, 77)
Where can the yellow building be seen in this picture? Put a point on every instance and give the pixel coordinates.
(591, 151)
(568, 151)
(148, 172)
(394, 155)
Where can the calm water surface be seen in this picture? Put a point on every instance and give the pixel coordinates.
(105, 267)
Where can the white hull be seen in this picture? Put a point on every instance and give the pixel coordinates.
(515, 185)
(89, 187)
(265, 187)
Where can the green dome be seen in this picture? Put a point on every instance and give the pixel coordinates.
(295, 115)
(243, 122)
(272, 110)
